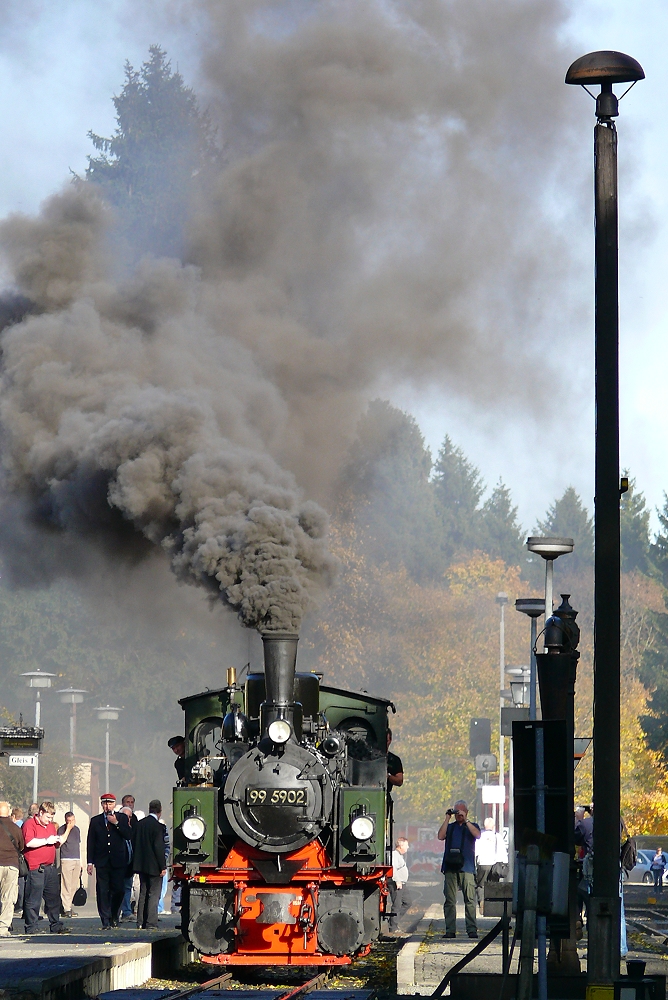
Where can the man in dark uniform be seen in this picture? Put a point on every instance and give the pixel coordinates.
(149, 862)
(109, 837)
(395, 769)
(178, 745)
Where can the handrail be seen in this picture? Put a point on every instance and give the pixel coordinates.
(474, 952)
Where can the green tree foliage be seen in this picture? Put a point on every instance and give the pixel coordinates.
(659, 548)
(458, 488)
(387, 491)
(162, 148)
(654, 675)
(501, 535)
(634, 524)
(568, 518)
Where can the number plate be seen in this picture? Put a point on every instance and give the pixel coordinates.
(276, 797)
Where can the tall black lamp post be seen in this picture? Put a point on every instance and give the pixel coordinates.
(606, 69)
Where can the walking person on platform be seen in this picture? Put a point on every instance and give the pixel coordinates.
(70, 863)
(109, 835)
(149, 863)
(459, 867)
(11, 842)
(400, 893)
(42, 882)
(657, 868)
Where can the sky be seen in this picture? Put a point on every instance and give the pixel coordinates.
(60, 65)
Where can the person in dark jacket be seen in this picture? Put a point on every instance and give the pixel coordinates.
(109, 838)
(149, 862)
(177, 744)
(11, 842)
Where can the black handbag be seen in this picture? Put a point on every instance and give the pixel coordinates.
(454, 860)
(80, 897)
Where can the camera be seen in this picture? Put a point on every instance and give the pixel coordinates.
(450, 812)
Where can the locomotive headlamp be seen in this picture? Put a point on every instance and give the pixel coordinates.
(362, 828)
(193, 828)
(279, 731)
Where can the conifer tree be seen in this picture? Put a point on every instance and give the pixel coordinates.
(568, 518)
(386, 491)
(634, 524)
(658, 550)
(501, 535)
(458, 488)
(162, 147)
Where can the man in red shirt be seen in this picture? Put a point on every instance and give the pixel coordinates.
(41, 839)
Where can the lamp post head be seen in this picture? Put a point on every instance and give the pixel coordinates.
(38, 678)
(501, 598)
(534, 607)
(108, 713)
(71, 696)
(550, 547)
(519, 685)
(605, 68)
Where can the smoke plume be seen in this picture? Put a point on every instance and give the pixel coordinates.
(385, 212)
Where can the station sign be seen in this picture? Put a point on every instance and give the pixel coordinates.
(22, 760)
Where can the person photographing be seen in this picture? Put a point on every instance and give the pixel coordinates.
(458, 867)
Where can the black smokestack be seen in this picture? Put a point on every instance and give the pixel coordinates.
(280, 658)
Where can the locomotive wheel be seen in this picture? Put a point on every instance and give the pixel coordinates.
(278, 802)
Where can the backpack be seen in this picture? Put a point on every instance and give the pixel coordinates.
(628, 855)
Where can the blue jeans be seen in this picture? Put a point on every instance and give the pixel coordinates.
(126, 905)
(163, 893)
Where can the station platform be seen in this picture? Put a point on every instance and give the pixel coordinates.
(88, 961)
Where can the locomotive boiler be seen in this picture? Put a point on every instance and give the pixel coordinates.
(282, 834)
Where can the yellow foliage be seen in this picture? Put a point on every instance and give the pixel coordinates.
(434, 650)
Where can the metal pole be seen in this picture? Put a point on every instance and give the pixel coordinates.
(73, 709)
(549, 588)
(35, 774)
(502, 665)
(603, 952)
(106, 759)
(541, 923)
(532, 679)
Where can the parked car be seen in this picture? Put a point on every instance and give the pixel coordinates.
(642, 872)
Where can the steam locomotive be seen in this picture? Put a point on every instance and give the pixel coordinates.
(282, 833)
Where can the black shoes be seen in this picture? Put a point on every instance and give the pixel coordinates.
(474, 934)
(450, 934)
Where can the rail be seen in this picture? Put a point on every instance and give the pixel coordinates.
(299, 991)
(208, 985)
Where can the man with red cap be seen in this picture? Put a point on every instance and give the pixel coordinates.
(109, 838)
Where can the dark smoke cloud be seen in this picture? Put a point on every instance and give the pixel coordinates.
(386, 211)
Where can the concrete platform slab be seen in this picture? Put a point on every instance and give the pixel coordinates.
(68, 967)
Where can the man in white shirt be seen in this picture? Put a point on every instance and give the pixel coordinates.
(399, 892)
(489, 849)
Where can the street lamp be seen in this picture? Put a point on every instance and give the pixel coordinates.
(72, 697)
(550, 549)
(534, 607)
(107, 713)
(37, 679)
(605, 69)
(501, 600)
(519, 685)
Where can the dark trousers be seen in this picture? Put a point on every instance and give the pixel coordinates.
(109, 890)
(149, 897)
(42, 884)
(18, 905)
(481, 876)
(658, 878)
(402, 900)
